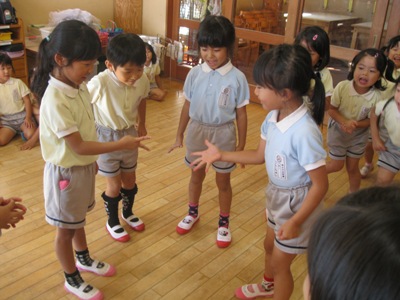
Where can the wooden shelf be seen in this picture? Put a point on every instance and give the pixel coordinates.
(17, 37)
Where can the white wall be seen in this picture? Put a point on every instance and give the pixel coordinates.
(154, 18)
(37, 11)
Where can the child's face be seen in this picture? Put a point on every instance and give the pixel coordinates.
(397, 96)
(149, 55)
(76, 72)
(5, 73)
(365, 74)
(214, 57)
(127, 73)
(314, 55)
(269, 98)
(394, 55)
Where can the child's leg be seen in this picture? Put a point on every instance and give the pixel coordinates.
(30, 143)
(353, 172)
(6, 135)
(384, 177)
(334, 165)
(111, 199)
(195, 188)
(223, 180)
(128, 191)
(283, 279)
(368, 156)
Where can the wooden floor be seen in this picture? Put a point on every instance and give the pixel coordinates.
(157, 263)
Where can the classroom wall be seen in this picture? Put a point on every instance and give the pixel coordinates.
(154, 19)
(37, 11)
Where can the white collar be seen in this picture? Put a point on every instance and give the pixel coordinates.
(68, 90)
(222, 70)
(117, 81)
(291, 119)
(9, 81)
(368, 95)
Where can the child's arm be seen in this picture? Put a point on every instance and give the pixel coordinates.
(82, 147)
(142, 131)
(291, 228)
(377, 142)
(183, 121)
(158, 82)
(212, 154)
(241, 121)
(28, 122)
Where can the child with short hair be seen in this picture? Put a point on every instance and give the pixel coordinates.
(69, 147)
(118, 99)
(291, 147)
(385, 132)
(152, 70)
(216, 95)
(351, 103)
(16, 114)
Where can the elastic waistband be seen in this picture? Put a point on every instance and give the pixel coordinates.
(211, 125)
(110, 130)
(301, 186)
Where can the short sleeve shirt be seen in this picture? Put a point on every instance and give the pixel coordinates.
(11, 94)
(214, 95)
(115, 104)
(391, 120)
(327, 81)
(293, 147)
(152, 71)
(65, 110)
(351, 104)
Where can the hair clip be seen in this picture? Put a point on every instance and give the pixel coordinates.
(376, 55)
(315, 37)
(48, 38)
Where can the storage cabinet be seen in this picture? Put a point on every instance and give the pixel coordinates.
(17, 37)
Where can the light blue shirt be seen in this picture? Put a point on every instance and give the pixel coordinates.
(214, 95)
(293, 147)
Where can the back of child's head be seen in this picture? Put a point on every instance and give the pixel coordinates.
(5, 60)
(216, 32)
(289, 67)
(317, 40)
(126, 48)
(383, 65)
(354, 248)
(73, 40)
(153, 54)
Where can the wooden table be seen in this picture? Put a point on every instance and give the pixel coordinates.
(362, 28)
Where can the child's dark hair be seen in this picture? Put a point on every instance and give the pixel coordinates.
(73, 40)
(153, 54)
(5, 60)
(318, 40)
(289, 67)
(126, 48)
(354, 248)
(216, 31)
(393, 42)
(384, 65)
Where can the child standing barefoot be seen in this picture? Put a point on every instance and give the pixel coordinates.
(69, 147)
(216, 95)
(291, 147)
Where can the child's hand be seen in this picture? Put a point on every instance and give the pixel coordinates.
(29, 123)
(378, 145)
(289, 230)
(11, 212)
(141, 130)
(207, 157)
(349, 126)
(131, 142)
(178, 144)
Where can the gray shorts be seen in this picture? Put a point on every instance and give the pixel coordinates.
(282, 204)
(342, 144)
(223, 136)
(68, 194)
(14, 121)
(113, 163)
(390, 159)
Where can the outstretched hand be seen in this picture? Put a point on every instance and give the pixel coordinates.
(11, 212)
(207, 157)
(178, 144)
(131, 142)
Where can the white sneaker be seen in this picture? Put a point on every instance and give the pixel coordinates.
(224, 237)
(186, 224)
(84, 291)
(366, 169)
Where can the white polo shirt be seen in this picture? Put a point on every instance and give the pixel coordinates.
(11, 93)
